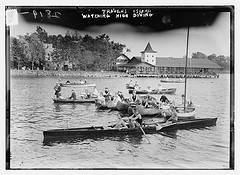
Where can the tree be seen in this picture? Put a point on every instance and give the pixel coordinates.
(42, 34)
(199, 55)
(36, 50)
(16, 52)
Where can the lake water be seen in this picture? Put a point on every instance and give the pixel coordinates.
(32, 111)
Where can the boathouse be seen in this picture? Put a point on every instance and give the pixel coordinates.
(149, 64)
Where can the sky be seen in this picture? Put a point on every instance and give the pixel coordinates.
(208, 40)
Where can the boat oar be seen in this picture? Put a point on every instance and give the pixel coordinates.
(143, 132)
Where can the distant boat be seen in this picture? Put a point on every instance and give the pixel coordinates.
(155, 91)
(77, 85)
(167, 80)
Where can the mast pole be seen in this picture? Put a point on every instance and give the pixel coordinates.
(185, 88)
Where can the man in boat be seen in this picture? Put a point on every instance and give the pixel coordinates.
(120, 123)
(57, 89)
(173, 118)
(106, 94)
(87, 95)
(134, 96)
(73, 95)
(164, 99)
(136, 118)
(145, 102)
(120, 95)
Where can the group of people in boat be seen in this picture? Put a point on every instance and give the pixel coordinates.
(73, 95)
(135, 119)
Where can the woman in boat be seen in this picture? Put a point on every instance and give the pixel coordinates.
(73, 95)
(136, 118)
(57, 89)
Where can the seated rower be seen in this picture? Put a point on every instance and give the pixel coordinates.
(136, 118)
(73, 95)
(87, 94)
(67, 82)
(106, 94)
(172, 116)
(120, 123)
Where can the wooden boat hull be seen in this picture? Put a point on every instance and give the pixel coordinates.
(77, 85)
(121, 106)
(190, 124)
(66, 100)
(148, 111)
(148, 129)
(129, 86)
(106, 105)
(189, 114)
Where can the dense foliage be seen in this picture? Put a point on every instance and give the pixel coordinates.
(83, 52)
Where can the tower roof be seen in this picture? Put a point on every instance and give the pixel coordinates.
(148, 49)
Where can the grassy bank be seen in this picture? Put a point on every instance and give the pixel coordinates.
(66, 73)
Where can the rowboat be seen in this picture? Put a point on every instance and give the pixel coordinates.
(155, 91)
(148, 111)
(121, 106)
(167, 80)
(67, 100)
(110, 130)
(189, 112)
(128, 86)
(77, 85)
(102, 104)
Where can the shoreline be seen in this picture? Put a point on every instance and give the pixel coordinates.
(93, 74)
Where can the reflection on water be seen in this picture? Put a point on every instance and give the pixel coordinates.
(134, 139)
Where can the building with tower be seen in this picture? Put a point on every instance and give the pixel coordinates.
(149, 64)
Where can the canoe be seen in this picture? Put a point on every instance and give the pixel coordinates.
(148, 111)
(77, 85)
(188, 124)
(162, 91)
(110, 130)
(66, 100)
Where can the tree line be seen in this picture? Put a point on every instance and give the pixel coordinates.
(84, 52)
(221, 60)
